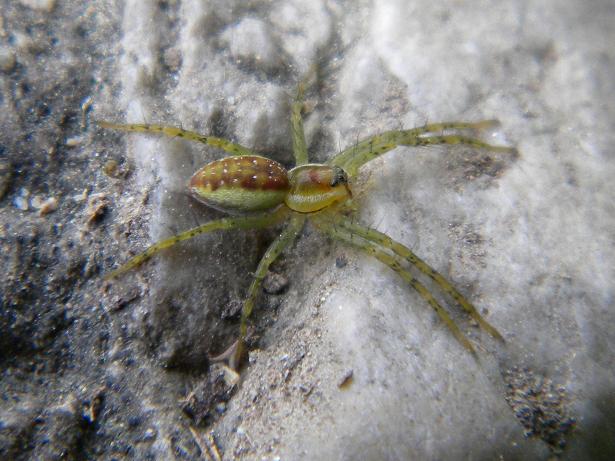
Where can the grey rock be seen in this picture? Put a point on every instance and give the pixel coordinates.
(527, 238)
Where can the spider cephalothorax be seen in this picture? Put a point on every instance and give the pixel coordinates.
(246, 182)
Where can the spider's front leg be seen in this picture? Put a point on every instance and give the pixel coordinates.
(234, 355)
(296, 120)
(173, 132)
(368, 149)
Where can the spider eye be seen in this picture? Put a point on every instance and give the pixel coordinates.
(339, 177)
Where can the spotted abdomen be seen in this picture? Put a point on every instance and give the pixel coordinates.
(241, 183)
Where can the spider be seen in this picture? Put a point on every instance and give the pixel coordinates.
(259, 192)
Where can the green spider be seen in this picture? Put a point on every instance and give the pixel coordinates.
(267, 194)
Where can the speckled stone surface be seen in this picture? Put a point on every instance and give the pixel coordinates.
(348, 362)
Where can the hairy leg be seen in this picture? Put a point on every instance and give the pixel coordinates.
(235, 353)
(374, 249)
(405, 252)
(296, 122)
(368, 149)
(227, 146)
(241, 222)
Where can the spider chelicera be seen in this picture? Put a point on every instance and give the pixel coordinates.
(267, 194)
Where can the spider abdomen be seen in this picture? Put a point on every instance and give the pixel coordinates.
(241, 183)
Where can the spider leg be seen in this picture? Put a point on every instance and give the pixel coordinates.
(235, 353)
(456, 139)
(393, 261)
(296, 122)
(368, 149)
(241, 222)
(173, 132)
(387, 242)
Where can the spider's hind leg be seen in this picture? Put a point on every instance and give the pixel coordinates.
(381, 253)
(241, 222)
(404, 252)
(235, 354)
(173, 132)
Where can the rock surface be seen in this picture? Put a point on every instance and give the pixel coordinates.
(348, 361)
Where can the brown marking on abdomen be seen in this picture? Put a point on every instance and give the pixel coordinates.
(248, 172)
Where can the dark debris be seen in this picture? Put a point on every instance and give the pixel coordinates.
(207, 401)
(541, 407)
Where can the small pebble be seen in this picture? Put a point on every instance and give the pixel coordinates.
(48, 206)
(22, 200)
(5, 178)
(341, 261)
(39, 5)
(110, 168)
(74, 141)
(149, 434)
(346, 380)
(221, 407)
(7, 59)
(274, 283)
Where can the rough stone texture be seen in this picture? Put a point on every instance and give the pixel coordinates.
(351, 363)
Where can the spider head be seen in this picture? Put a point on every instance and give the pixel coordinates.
(339, 176)
(315, 186)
